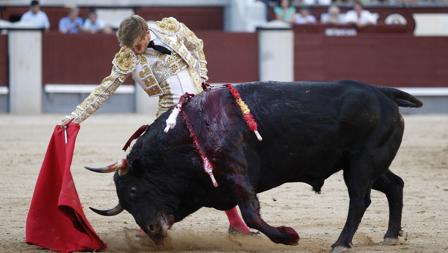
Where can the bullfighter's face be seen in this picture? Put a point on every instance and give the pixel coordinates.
(140, 44)
(150, 205)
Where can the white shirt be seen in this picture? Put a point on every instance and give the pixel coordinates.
(366, 17)
(93, 27)
(327, 18)
(314, 2)
(310, 19)
(157, 40)
(181, 83)
(39, 19)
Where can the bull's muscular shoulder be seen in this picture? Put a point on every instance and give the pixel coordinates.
(168, 25)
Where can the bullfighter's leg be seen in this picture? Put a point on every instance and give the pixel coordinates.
(236, 224)
(392, 185)
(359, 186)
(250, 209)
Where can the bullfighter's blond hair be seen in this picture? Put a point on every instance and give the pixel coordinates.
(131, 29)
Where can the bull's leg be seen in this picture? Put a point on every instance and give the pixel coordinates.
(392, 185)
(250, 209)
(359, 186)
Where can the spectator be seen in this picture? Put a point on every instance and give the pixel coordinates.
(285, 12)
(93, 24)
(35, 16)
(72, 23)
(313, 2)
(395, 19)
(269, 3)
(333, 16)
(305, 17)
(359, 17)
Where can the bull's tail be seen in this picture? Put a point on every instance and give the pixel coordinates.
(400, 97)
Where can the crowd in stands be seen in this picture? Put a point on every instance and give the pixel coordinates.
(72, 23)
(287, 12)
(294, 12)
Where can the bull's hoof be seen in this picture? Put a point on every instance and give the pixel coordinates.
(400, 239)
(290, 236)
(391, 241)
(340, 249)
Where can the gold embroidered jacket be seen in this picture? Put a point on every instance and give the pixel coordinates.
(178, 37)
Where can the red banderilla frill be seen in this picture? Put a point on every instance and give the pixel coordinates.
(248, 118)
(171, 123)
(135, 135)
(207, 165)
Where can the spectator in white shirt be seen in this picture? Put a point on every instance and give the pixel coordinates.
(333, 16)
(35, 16)
(359, 17)
(93, 24)
(304, 17)
(313, 2)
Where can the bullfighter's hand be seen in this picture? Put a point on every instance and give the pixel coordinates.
(64, 122)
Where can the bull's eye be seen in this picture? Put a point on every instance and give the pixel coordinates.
(132, 191)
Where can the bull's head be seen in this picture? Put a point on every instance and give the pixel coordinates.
(142, 198)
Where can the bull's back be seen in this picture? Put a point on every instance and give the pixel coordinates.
(309, 128)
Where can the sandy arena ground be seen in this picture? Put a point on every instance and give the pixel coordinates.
(422, 162)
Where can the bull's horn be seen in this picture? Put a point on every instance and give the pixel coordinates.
(111, 212)
(120, 166)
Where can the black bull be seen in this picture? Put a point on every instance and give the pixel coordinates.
(309, 130)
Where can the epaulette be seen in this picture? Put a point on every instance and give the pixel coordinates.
(125, 60)
(168, 24)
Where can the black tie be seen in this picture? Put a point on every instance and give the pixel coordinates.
(161, 49)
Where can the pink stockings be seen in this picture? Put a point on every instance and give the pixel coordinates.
(236, 224)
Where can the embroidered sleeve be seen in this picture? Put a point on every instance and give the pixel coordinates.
(98, 96)
(124, 63)
(196, 45)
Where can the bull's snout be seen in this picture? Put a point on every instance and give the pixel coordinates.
(158, 232)
(155, 229)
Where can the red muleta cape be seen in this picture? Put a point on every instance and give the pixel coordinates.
(55, 219)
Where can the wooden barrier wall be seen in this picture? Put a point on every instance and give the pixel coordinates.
(396, 60)
(231, 57)
(77, 58)
(360, 31)
(86, 58)
(3, 60)
(196, 18)
(393, 60)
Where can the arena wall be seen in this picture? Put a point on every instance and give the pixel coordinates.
(86, 58)
(391, 60)
(72, 61)
(3, 60)
(4, 73)
(72, 65)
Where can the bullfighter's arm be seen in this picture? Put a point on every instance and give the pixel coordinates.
(196, 45)
(124, 62)
(250, 210)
